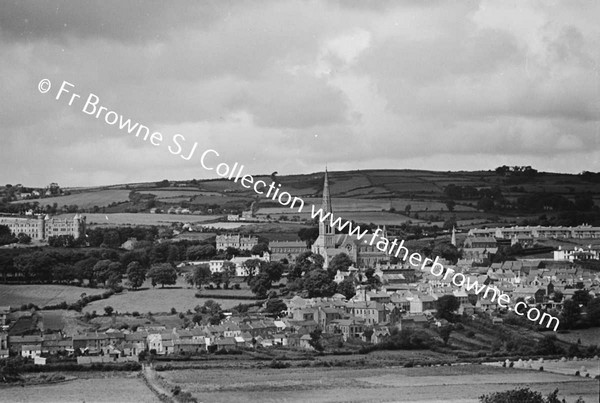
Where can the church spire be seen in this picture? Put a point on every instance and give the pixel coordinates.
(326, 206)
(453, 240)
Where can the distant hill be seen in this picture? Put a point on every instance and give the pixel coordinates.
(428, 195)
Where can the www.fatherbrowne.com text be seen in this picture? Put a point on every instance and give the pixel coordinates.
(209, 161)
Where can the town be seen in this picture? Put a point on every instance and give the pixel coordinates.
(328, 292)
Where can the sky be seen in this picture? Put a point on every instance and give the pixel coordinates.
(293, 86)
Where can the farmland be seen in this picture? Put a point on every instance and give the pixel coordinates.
(93, 387)
(42, 294)
(156, 300)
(352, 192)
(145, 219)
(428, 384)
(87, 199)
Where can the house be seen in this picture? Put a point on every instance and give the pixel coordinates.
(280, 339)
(16, 342)
(31, 350)
(414, 321)
(226, 343)
(4, 345)
(305, 342)
(380, 335)
(189, 346)
(39, 360)
(4, 312)
(371, 312)
(353, 327)
(57, 345)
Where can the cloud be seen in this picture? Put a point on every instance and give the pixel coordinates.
(289, 86)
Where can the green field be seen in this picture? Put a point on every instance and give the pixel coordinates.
(42, 294)
(93, 387)
(145, 219)
(158, 300)
(429, 384)
(86, 199)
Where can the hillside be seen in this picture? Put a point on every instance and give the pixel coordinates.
(395, 195)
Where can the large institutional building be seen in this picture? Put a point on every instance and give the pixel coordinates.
(43, 227)
(236, 241)
(329, 244)
(579, 232)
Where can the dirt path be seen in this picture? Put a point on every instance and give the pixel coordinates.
(154, 384)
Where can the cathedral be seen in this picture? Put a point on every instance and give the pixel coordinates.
(329, 244)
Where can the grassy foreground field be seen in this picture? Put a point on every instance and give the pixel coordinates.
(429, 384)
(98, 387)
(42, 294)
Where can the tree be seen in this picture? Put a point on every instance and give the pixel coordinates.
(520, 395)
(276, 307)
(210, 307)
(407, 209)
(340, 262)
(309, 235)
(260, 284)
(254, 266)
(24, 238)
(198, 252)
(368, 333)
(111, 239)
(315, 340)
(581, 297)
(319, 284)
(200, 275)
(347, 287)
(108, 310)
(373, 281)
(558, 296)
(446, 306)
(485, 204)
(6, 236)
(136, 274)
(274, 270)
(593, 312)
(163, 274)
(217, 278)
(445, 333)
(450, 204)
(197, 318)
(114, 281)
(259, 249)
(446, 251)
(571, 313)
(35, 266)
(227, 273)
(101, 271)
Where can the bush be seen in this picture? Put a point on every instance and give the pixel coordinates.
(279, 364)
(135, 313)
(524, 395)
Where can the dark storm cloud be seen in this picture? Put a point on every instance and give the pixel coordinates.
(131, 20)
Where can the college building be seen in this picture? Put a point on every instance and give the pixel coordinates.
(236, 241)
(42, 227)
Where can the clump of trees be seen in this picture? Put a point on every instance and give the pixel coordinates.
(522, 395)
(163, 274)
